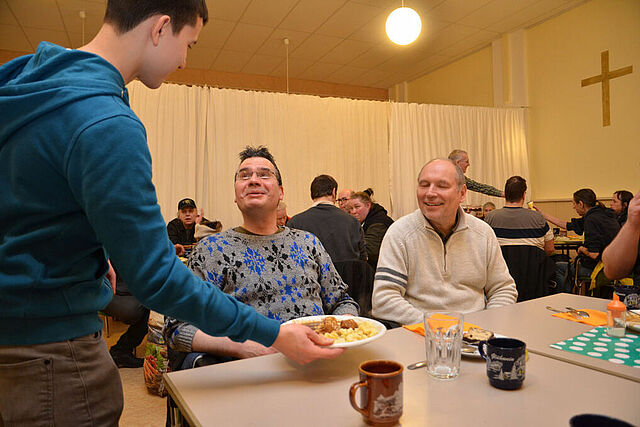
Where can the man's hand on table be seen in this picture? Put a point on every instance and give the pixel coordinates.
(301, 344)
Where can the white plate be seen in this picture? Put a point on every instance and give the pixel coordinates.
(476, 353)
(635, 327)
(379, 326)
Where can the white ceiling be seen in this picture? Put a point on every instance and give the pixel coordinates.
(340, 41)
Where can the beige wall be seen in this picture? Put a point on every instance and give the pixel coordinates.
(570, 148)
(464, 82)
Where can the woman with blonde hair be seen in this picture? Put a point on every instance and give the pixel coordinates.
(374, 220)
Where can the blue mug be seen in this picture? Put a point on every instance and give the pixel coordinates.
(506, 361)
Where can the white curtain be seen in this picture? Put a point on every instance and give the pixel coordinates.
(494, 138)
(195, 135)
(175, 119)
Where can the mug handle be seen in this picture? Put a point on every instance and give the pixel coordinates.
(482, 349)
(352, 396)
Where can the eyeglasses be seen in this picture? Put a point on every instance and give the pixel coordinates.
(246, 174)
(342, 199)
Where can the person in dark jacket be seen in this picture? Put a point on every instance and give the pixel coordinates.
(127, 308)
(340, 233)
(374, 220)
(598, 224)
(181, 230)
(620, 205)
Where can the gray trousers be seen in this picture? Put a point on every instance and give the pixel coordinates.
(67, 383)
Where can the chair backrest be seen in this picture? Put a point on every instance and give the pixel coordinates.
(531, 269)
(358, 275)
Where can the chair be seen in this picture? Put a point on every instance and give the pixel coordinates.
(358, 275)
(106, 319)
(594, 284)
(531, 269)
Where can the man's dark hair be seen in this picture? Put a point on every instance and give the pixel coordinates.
(586, 196)
(514, 189)
(259, 151)
(323, 185)
(125, 15)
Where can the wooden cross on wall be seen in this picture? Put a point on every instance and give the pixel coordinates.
(604, 77)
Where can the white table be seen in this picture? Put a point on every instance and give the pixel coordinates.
(272, 391)
(531, 322)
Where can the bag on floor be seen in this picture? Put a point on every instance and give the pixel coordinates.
(156, 361)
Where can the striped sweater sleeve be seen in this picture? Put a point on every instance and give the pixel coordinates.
(390, 283)
(478, 187)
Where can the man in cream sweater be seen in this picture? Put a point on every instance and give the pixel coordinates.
(438, 257)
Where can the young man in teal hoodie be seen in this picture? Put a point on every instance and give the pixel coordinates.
(75, 191)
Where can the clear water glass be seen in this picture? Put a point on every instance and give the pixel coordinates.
(443, 342)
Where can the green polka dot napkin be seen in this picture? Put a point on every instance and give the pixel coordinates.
(596, 343)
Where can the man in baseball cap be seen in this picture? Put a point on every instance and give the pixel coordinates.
(181, 229)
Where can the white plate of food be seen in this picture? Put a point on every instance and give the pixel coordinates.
(347, 331)
(633, 320)
(472, 337)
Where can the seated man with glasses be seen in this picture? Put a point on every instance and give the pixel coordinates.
(343, 199)
(281, 272)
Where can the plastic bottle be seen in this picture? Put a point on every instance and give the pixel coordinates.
(616, 317)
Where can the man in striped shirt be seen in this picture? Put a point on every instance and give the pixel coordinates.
(514, 225)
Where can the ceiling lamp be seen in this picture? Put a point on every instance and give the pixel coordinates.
(403, 25)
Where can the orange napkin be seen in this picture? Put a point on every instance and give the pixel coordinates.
(418, 328)
(596, 318)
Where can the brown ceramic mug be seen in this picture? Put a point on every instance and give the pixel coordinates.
(381, 398)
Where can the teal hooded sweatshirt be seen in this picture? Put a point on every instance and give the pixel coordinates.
(75, 185)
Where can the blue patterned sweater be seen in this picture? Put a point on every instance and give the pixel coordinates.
(282, 276)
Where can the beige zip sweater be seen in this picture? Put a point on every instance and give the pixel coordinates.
(417, 272)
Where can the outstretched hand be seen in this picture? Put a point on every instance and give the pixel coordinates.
(301, 344)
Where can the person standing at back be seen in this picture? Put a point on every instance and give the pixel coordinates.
(461, 159)
(76, 188)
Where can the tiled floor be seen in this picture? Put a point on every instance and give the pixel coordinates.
(140, 407)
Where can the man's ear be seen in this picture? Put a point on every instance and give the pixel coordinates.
(281, 193)
(161, 25)
(463, 193)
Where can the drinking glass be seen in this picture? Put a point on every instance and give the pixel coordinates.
(443, 341)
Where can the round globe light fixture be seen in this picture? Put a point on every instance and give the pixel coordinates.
(403, 25)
